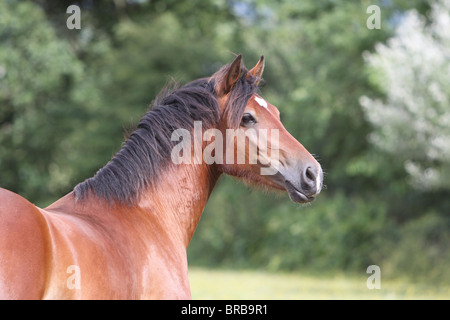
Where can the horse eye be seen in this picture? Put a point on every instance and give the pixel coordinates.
(247, 119)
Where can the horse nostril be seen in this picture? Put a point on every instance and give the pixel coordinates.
(309, 181)
(310, 174)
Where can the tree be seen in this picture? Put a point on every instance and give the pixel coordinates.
(36, 71)
(413, 123)
(50, 106)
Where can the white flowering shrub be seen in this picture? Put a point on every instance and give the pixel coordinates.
(413, 70)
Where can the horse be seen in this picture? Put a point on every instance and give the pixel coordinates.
(123, 233)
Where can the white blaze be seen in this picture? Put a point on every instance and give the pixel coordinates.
(261, 102)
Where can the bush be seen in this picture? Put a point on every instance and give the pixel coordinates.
(242, 229)
(334, 232)
(419, 249)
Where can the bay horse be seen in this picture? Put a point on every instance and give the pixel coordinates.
(123, 233)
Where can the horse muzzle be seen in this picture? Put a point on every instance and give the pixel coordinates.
(304, 186)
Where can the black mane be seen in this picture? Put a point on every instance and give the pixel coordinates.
(147, 151)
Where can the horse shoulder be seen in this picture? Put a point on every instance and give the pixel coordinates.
(23, 245)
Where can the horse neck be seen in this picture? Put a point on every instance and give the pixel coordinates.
(170, 209)
(178, 199)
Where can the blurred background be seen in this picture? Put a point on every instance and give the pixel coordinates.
(371, 103)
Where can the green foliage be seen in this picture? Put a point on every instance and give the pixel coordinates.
(418, 248)
(50, 106)
(38, 71)
(414, 122)
(288, 237)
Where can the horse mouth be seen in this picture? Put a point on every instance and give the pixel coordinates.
(297, 195)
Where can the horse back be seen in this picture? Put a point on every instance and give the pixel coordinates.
(22, 248)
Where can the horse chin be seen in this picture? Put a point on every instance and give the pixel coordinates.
(296, 195)
(278, 182)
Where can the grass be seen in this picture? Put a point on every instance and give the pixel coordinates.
(226, 284)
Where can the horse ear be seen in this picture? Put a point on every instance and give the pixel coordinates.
(257, 70)
(232, 75)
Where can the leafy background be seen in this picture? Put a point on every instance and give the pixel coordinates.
(66, 97)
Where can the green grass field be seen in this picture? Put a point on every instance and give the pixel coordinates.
(222, 284)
